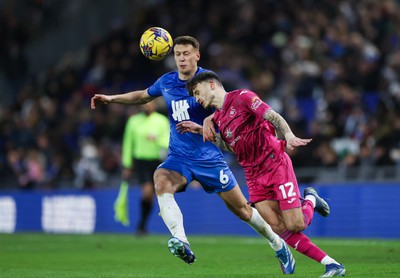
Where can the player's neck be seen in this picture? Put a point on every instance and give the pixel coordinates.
(219, 100)
(187, 75)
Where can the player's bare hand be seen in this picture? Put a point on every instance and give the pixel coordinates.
(98, 98)
(209, 129)
(189, 126)
(296, 142)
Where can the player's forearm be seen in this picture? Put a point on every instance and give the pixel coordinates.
(222, 144)
(280, 123)
(134, 97)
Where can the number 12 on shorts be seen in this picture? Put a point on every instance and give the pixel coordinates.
(287, 190)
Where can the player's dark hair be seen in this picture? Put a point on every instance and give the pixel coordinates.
(200, 77)
(184, 40)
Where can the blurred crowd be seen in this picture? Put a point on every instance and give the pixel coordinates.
(332, 68)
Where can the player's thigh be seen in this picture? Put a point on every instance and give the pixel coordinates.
(294, 219)
(272, 214)
(168, 181)
(237, 203)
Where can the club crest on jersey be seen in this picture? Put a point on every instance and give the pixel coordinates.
(228, 134)
(255, 103)
(233, 112)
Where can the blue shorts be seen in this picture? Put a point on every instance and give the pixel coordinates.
(214, 176)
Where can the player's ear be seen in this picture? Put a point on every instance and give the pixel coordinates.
(212, 84)
(198, 56)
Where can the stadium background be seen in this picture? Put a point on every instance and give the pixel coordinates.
(332, 68)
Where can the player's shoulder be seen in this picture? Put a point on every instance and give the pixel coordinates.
(173, 76)
(245, 92)
(241, 94)
(169, 76)
(200, 70)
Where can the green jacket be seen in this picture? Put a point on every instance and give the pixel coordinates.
(145, 138)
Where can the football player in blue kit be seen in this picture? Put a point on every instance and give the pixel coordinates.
(189, 158)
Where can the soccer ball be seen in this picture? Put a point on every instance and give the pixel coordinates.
(156, 43)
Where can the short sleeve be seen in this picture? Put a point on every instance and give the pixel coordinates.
(252, 103)
(155, 89)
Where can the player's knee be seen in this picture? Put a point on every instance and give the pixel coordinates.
(296, 227)
(278, 227)
(161, 187)
(166, 181)
(245, 213)
(162, 183)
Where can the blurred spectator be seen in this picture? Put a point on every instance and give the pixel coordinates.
(88, 172)
(332, 66)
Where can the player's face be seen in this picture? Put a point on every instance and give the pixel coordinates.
(186, 58)
(203, 94)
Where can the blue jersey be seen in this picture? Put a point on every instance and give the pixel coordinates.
(188, 155)
(182, 107)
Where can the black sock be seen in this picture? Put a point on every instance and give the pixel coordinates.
(146, 209)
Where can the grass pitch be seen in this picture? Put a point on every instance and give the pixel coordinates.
(112, 255)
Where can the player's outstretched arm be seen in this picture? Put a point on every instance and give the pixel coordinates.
(134, 97)
(279, 122)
